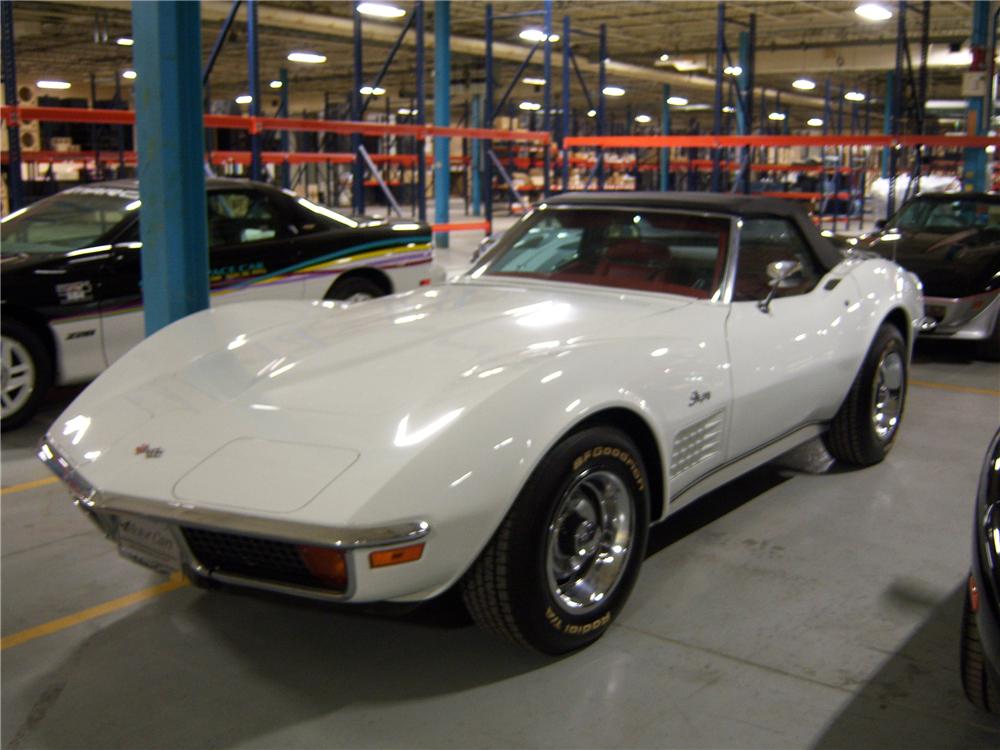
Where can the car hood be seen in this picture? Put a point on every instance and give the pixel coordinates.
(949, 265)
(303, 391)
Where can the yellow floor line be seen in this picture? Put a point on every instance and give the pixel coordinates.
(176, 581)
(956, 388)
(28, 485)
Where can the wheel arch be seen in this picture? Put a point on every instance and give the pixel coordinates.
(900, 319)
(28, 317)
(638, 429)
(380, 278)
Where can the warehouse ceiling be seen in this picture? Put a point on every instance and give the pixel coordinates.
(75, 41)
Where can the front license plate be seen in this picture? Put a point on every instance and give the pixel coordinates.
(149, 543)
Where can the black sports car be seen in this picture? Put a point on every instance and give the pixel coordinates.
(980, 654)
(71, 301)
(952, 242)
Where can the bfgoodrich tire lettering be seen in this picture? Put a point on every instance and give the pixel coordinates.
(564, 560)
(865, 428)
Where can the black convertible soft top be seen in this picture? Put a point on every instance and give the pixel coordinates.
(735, 204)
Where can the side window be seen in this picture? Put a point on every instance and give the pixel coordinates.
(238, 218)
(763, 241)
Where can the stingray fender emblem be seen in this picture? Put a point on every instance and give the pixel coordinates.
(147, 451)
(697, 398)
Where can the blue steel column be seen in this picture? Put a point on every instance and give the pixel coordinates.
(171, 149)
(14, 188)
(286, 168)
(547, 98)
(890, 92)
(488, 121)
(974, 170)
(897, 107)
(564, 119)
(475, 165)
(744, 104)
(720, 51)
(421, 119)
(253, 73)
(442, 115)
(359, 165)
(602, 82)
(665, 152)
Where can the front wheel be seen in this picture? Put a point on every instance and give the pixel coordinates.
(25, 373)
(355, 289)
(863, 431)
(564, 560)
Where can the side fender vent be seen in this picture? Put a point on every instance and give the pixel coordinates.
(699, 442)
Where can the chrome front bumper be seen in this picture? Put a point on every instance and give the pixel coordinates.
(104, 509)
(971, 318)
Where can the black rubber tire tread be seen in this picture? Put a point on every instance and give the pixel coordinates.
(851, 437)
(488, 588)
(43, 370)
(345, 287)
(980, 688)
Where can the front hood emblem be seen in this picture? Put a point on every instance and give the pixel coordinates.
(149, 452)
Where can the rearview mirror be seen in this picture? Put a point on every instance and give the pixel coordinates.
(781, 275)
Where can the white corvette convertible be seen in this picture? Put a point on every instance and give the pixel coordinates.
(513, 433)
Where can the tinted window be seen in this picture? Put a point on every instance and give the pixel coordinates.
(947, 215)
(641, 250)
(240, 217)
(73, 219)
(764, 241)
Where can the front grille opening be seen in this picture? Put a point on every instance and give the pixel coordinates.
(253, 557)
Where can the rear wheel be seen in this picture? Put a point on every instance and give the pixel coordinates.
(564, 560)
(355, 289)
(980, 687)
(25, 373)
(863, 431)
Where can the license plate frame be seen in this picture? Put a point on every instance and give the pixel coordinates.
(148, 542)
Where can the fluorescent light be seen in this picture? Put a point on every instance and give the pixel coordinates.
(677, 101)
(380, 10)
(244, 99)
(369, 91)
(873, 12)
(533, 81)
(854, 96)
(133, 205)
(643, 119)
(685, 66)
(537, 35)
(129, 74)
(728, 110)
(732, 70)
(529, 106)
(276, 84)
(696, 107)
(591, 113)
(614, 91)
(778, 116)
(52, 84)
(312, 58)
(814, 122)
(406, 111)
(946, 104)
(664, 57)
(803, 84)
(125, 41)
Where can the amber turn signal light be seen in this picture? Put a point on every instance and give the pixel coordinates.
(385, 557)
(327, 565)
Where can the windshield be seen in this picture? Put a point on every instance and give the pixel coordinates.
(637, 249)
(75, 218)
(935, 215)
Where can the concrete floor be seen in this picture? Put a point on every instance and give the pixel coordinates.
(787, 609)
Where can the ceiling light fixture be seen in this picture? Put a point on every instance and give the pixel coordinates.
(53, 84)
(814, 122)
(380, 10)
(312, 58)
(873, 12)
(591, 113)
(777, 116)
(614, 91)
(685, 66)
(803, 84)
(664, 57)
(854, 96)
(533, 81)
(125, 41)
(537, 35)
(728, 110)
(370, 91)
(529, 106)
(946, 104)
(406, 111)
(276, 84)
(732, 70)
(643, 119)
(677, 101)
(129, 74)
(244, 99)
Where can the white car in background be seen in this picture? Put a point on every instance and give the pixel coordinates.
(514, 433)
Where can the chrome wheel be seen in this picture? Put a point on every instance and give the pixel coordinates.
(358, 297)
(887, 395)
(589, 541)
(17, 376)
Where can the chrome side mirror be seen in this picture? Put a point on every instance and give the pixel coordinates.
(781, 275)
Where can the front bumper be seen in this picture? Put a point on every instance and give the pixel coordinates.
(969, 318)
(182, 522)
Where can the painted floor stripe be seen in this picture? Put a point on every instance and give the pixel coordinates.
(176, 581)
(955, 388)
(28, 485)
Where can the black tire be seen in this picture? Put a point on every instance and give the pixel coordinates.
(989, 348)
(22, 354)
(979, 685)
(854, 437)
(513, 589)
(355, 289)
